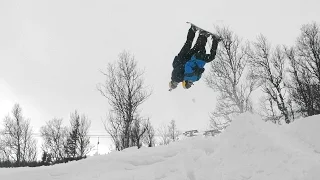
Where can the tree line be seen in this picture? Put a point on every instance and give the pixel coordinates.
(62, 144)
(18, 146)
(287, 77)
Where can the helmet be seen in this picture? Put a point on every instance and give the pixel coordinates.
(187, 84)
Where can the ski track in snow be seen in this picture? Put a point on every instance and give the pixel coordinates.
(249, 149)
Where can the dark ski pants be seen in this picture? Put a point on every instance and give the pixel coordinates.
(186, 52)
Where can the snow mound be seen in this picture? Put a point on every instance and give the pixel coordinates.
(253, 149)
(307, 131)
(248, 149)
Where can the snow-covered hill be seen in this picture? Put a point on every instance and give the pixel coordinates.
(248, 149)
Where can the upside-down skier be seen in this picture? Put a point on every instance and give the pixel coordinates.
(188, 65)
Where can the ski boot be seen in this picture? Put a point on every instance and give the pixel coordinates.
(172, 85)
(194, 28)
(204, 33)
(186, 84)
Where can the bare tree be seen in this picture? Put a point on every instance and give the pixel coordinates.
(2, 149)
(139, 128)
(304, 70)
(149, 137)
(71, 145)
(269, 67)
(304, 90)
(308, 49)
(168, 133)
(78, 141)
(163, 133)
(18, 144)
(174, 133)
(125, 91)
(4, 156)
(227, 75)
(84, 146)
(114, 128)
(268, 110)
(54, 136)
(2, 152)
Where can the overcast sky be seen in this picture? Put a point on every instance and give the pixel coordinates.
(51, 52)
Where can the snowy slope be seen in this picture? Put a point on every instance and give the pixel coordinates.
(248, 149)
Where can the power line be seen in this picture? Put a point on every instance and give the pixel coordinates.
(91, 135)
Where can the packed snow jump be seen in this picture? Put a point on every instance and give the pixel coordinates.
(188, 65)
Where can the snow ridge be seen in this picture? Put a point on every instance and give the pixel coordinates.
(248, 149)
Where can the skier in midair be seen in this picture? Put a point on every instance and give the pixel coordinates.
(188, 65)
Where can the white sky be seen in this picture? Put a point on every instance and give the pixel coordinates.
(51, 51)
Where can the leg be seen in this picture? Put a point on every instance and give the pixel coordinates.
(214, 46)
(187, 45)
(178, 73)
(200, 44)
(182, 57)
(213, 50)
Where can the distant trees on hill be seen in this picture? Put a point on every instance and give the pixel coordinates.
(168, 133)
(18, 147)
(287, 77)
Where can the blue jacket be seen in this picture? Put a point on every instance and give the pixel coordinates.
(190, 66)
(193, 69)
